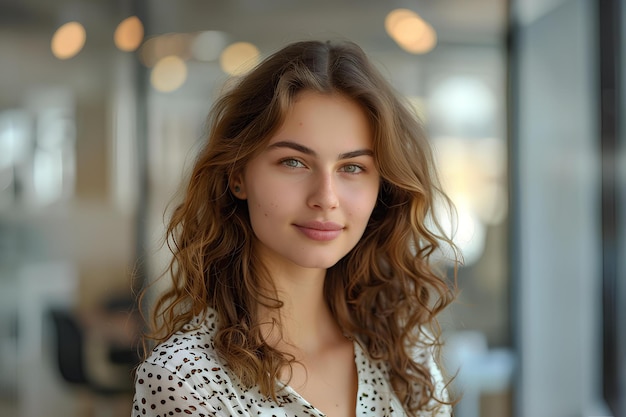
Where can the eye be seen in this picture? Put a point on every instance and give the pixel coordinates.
(292, 163)
(352, 169)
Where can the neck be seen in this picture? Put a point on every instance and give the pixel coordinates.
(305, 320)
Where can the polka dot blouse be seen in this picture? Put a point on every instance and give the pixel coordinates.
(184, 376)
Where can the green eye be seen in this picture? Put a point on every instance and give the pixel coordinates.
(292, 163)
(352, 169)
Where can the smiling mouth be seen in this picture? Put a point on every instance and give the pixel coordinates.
(320, 231)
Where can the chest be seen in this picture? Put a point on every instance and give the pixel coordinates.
(329, 382)
(346, 384)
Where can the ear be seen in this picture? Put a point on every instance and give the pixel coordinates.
(236, 186)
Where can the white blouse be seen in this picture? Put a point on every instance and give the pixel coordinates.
(185, 376)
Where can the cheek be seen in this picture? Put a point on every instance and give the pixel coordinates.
(263, 204)
(258, 209)
(362, 202)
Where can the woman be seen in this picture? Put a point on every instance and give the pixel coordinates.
(302, 282)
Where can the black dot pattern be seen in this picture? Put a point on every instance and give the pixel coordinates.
(185, 376)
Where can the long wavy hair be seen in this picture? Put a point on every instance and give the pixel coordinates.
(386, 292)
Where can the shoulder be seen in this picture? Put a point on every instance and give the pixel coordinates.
(180, 373)
(194, 343)
(185, 374)
(189, 357)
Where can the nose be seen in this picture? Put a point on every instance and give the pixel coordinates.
(323, 193)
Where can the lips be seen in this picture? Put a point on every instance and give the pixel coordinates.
(320, 231)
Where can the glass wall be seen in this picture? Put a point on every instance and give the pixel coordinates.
(561, 103)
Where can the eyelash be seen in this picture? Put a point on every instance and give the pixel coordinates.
(286, 162)
(359, 168)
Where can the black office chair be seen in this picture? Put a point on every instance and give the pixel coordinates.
(70, 355)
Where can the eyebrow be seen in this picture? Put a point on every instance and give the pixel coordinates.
(308, 151)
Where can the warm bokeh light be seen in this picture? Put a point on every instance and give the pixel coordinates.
(128, 34)
(416, 36)
(473, 172)
(395, 16)
(68, 40)
(239, 58)
(410, 31)
(168, 74)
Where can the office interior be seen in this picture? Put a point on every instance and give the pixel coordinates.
(103, 105)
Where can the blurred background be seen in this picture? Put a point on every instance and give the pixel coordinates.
(103, 105)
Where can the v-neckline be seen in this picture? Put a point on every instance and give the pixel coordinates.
(358, 356)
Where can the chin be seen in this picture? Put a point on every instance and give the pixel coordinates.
(318, 263)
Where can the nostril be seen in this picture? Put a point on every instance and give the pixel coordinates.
(324, 194)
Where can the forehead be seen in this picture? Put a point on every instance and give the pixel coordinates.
(318, 118)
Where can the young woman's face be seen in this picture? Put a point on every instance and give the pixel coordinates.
(312, 190)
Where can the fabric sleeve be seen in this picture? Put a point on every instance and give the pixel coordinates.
(159, 392)
(425, 355)
(436, 409)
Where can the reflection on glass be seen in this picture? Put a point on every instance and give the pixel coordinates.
(473, 175)
(48, 175)
(37, 150)
(15, 146)
(52, 157)
(14, 137)
(463, 105)
(473, 165)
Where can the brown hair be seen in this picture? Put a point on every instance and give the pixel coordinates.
(385, 292)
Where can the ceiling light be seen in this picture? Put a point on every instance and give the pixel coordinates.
(68, 40)
(239, 58)
(168, 74)
(128, 34)
(410, 31)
